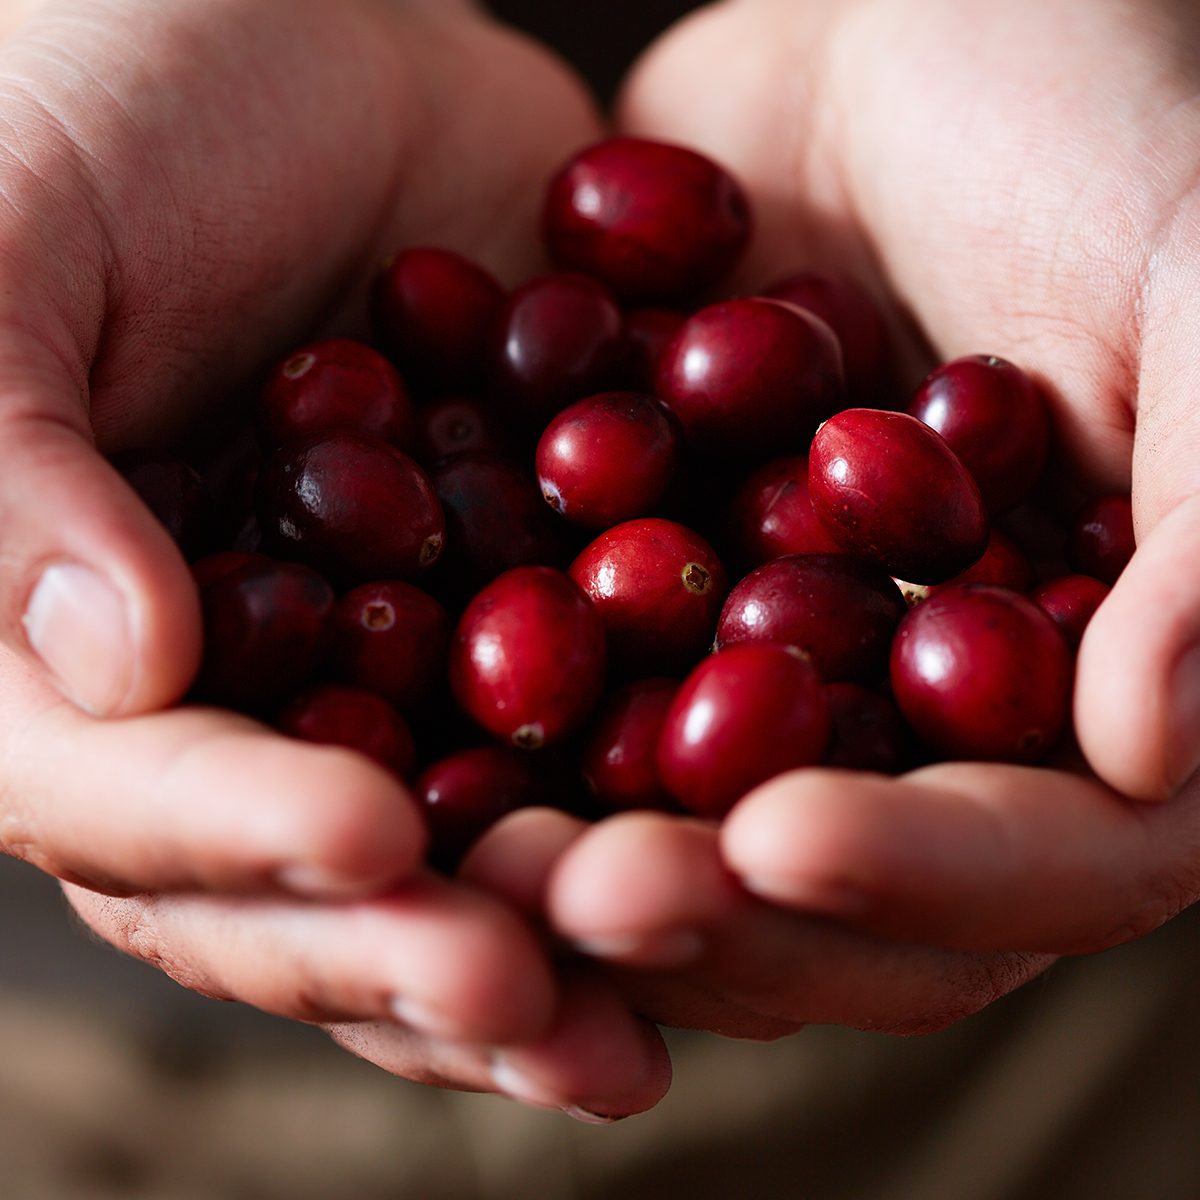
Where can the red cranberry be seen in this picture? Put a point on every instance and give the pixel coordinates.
(456, 425)
(868, 732)
(772, 514)
(175, 494)
(995, 420)
(265, 625)
(391, 638)
(848, 309)
(741, 717)
(647, 334)
(889, 488)
(556, 339)
(334, 715)
(619, 757)
(335, 385)
(352, 505)
(1100, 541)
(432, 310)
(981, 672)
(650, 219)
(839, 610)
(750, 376)
(658, 587)
(608, 458)
(1002, 564)
(527, 660)
(1071, 601)
(213, 566)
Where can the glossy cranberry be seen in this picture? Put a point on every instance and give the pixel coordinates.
(1002, 564)
(619, 762)
(467, 792)
(495, 519)
(432, 310)
(772, 515)
(175, 494)
(648, 331)
(868, 732)
(994, 418)
(652, 220)
(456, 425)
(1100, 541)
(1071, 601)
(981, 672)
(527, 659)
(338, 384)
(265, 628)
(608, 458)
(750, 376)
(848, 309)
(351, 505)
(889, 488)
(391, 638)
(741, 717)
(838, 610)
(658, 587)
(334, 715)
(556, 339)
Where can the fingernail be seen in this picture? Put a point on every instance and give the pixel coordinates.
(516, 1084)
(1183, 755)
(671, 948)
(77, 624)
(424, 1018)
(588, 1118)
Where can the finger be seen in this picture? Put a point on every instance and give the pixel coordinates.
(445, 960)
(969, 856)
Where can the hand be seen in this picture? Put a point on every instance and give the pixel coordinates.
(1022, 182)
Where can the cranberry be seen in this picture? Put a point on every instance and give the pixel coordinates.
(334, 715)
(658, 587)
(838, 610)
(994, 418)
(391, 638)
(335, 385)
(353, 506)
(741, 717)
(556, 339)
(456, 425)
(868, 732)
(890, 488)
(213, 566)
(652, 220)
(527, 660)
(772, 514)
(265, 626)
(1071, 601)
(175, 494)
(619, 757)
(432, 310)
(750, 376)
(1100, 541)
(647, 334)
(847, 308)
(608, 458)
(1002, 564)
(981, 672)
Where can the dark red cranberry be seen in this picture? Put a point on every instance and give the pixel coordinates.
(838, 610)
(391, 638)
(608, 458)
(889, 488)
(265, 628)
(175, 494)
(213, 566)
(741, 717)
(495, 519)
(750, 376)
(1100, 541)
(338, 384)
(1071, 601)
(619, 758)
(981, 672)
(465, 793)
(527, 659)
(351, 505)
(994, 418)
(772, 515)
(556, 339)
(432, 310)
(1002, 564)
(652, 220)
(456, 425)
(658, 587)
(848, 309)
(868, 732)
(334, 715)
(647, 333)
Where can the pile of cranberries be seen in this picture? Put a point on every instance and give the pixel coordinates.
(609, 541)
